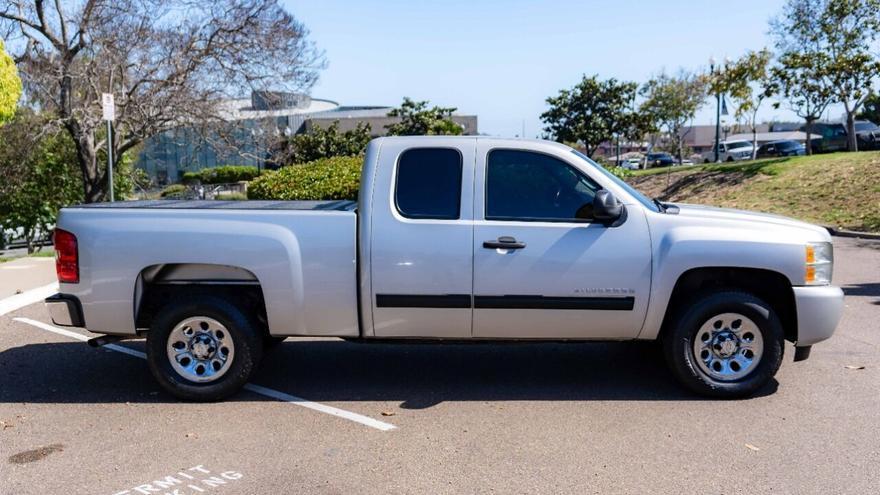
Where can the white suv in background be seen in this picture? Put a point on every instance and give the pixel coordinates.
(730, 151)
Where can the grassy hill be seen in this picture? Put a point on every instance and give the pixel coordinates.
(839, 189)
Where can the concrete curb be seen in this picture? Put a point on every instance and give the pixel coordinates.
(849, 233)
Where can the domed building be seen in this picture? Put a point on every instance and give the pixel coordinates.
(250, 127)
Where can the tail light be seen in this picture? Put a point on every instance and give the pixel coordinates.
(66, 257)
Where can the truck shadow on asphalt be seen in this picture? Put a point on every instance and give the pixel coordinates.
(866, 289)
(417, 375)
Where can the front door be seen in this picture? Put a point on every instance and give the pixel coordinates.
(542, 268)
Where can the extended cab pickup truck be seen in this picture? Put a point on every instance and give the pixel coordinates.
(452, 238)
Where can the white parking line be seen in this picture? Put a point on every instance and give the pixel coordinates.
(258, 389)
(27, 298)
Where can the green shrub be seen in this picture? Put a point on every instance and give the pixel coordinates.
(329, 178)
(192, 177)
(231, 196)
(225, 174)
(623, 173)
(172, 190)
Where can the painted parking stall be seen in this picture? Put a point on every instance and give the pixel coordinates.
(265, 391)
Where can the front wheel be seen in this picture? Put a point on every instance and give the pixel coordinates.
(204, 349)
(728, 344)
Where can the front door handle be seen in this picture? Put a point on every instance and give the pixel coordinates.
(504, 242)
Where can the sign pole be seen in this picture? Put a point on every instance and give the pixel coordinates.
(110, 158)
(109, 110)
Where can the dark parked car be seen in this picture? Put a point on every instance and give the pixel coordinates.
(868, 135)
(660, 160)
(781, 148)
(829, 137)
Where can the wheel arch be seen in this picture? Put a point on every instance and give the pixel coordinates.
(768, 285)
(159, 284)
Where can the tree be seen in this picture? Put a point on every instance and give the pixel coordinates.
(871, 109)
(593, 112)
(10, 86)
(326, 142)
(38, 176)
(795, 77)
(672, 101)
(416, 119)
(835, 37)
(169, 64)
(748, 81)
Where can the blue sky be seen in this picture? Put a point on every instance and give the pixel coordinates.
(500, 60)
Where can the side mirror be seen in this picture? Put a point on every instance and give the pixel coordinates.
(606, 208)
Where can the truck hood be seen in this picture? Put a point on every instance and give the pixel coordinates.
(712, 215)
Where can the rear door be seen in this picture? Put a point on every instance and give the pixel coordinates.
(542, 268)
(422, 239)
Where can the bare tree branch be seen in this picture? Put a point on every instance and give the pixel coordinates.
(169, 63)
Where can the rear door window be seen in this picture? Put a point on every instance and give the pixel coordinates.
(428, 183)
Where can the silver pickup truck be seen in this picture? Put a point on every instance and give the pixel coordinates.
(453, 238)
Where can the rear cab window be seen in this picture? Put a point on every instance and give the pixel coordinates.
(428, 184)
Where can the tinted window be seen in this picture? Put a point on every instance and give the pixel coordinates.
(429, 183)
(523, 185)
(739, 144)
(787, 145)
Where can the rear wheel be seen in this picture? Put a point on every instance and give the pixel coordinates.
(727, 344)
(204, 349)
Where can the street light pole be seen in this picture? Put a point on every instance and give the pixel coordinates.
(717, 114)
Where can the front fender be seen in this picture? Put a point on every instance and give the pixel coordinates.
(687, 248)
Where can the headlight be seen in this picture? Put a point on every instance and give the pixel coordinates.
(818, 263)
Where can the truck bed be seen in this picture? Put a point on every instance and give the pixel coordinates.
(182, 204)
(303, 254)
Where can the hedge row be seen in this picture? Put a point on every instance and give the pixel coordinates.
(226, 174)
(328, 178)
(173, 190)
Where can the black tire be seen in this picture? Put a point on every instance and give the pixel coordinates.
(729, 159)
(242, 329)
(678, 344)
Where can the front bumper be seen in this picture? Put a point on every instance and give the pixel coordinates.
(65, 310)
(818, 312)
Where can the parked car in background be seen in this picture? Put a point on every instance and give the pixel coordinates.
(631, 163)
(660, 160)
(781, 148)
(830, 137)
(868, 135)
(826, 137)
(729, 151)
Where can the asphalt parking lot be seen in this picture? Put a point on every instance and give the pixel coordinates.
(523, 418)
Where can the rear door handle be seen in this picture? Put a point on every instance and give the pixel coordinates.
(504, 242)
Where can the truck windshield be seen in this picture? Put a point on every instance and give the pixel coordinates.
(651, 205)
